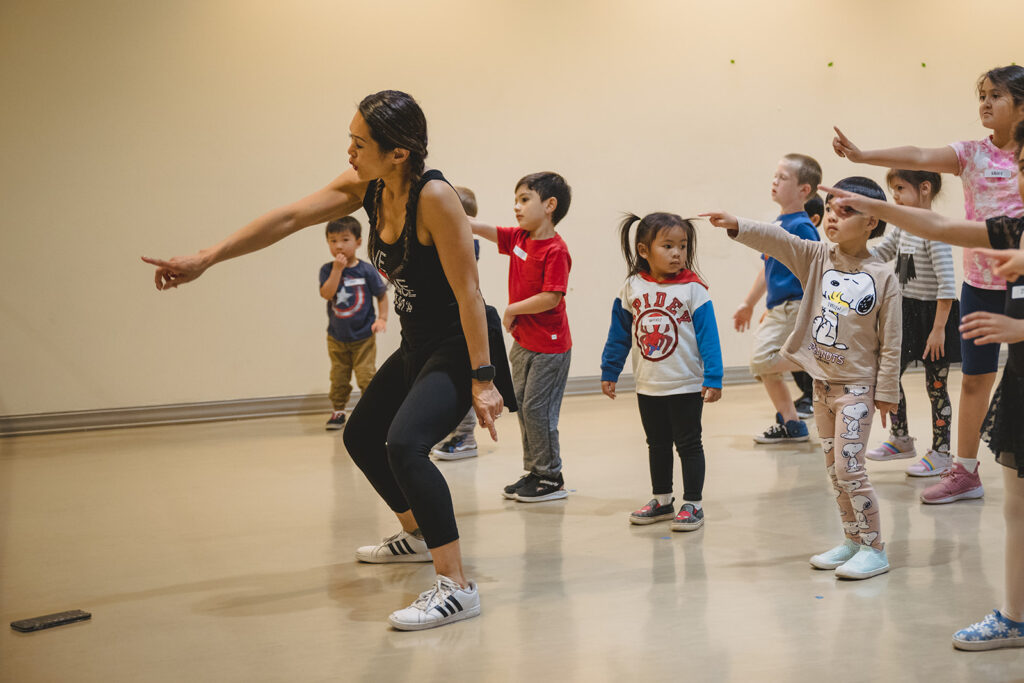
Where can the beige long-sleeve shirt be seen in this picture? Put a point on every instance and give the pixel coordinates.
(850, 325)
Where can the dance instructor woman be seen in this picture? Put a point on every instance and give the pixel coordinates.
(420, 239)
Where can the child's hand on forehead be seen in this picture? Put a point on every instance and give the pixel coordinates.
(720, 219)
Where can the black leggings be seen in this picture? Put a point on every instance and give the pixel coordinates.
(414, 400)
(668, 420)
(936, 375)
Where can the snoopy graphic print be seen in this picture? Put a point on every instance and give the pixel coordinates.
(841, 294)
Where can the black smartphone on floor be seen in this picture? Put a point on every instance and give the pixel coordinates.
(50, 620)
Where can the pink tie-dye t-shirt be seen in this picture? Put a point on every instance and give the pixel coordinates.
(989, 175)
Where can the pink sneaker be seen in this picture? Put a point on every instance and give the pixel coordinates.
(957, 484)
(896, 448)
(931, 464)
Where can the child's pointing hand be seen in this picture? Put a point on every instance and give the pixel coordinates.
(720, 219)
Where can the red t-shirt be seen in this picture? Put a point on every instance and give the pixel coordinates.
(537, 266)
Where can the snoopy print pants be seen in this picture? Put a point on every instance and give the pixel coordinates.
(843, 413)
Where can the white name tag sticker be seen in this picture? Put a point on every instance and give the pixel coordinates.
(656, 320)
(1018, 292)
(352, 281)
(554, 337)
(908, 249)
(518, 251)
(998, 173)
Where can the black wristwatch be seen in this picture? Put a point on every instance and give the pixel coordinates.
(484, 373)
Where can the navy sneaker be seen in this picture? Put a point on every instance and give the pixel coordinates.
(791, 432)
(653, 512)
(804, 407)
(336, 421)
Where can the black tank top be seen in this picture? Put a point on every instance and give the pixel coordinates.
(424, 301)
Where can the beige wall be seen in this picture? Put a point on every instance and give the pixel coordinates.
(157, 127)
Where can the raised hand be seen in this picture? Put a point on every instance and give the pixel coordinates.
(844, 147)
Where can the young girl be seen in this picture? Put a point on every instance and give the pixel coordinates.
(988, 170)
(1003, 427)
(931, 320)
(664, 314)
(847, 337)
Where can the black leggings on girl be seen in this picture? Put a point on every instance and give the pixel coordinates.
(414, 400)
(668, 420)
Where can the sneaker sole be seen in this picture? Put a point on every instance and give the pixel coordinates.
(686, 527)
(995, 644)
(444, 455)
(893, 456)
(554, 495)
(334, 428)
(934, 473)
(641, 521)
(973, 494)
(395, 559)
(821, 564)
(861, 575)
(788, 439)
(465, 614)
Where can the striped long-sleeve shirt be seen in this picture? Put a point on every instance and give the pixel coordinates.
(933, 264)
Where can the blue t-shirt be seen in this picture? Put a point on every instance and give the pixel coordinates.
(782, 285)
(350, 313)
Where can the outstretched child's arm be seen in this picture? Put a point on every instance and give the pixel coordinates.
(616, 347)
(938, 159)
(921, 222)
(791, 251)
(485, 230)
(706, 329)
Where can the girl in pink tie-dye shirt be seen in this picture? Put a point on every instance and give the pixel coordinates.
(988, 169)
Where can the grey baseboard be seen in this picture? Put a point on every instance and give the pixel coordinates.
(241, 409)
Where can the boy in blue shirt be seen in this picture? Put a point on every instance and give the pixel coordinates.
(349, 285)
(796, 179)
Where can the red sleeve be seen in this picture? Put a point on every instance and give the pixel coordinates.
(506, 239)
(557, 264)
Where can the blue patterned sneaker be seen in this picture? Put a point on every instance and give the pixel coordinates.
(992, 632)
(867, 562)
(830, 559)
(456, 448)
(690, 518)
(653, 512)
(446, 602)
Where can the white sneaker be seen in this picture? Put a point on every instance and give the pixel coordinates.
(446, 602)
(931, 464)
(867, 562)
(402, 547)
(896, 448)
(836, 557)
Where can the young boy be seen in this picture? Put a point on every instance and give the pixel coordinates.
(847, 335)
(538, 278)
(796, 178)
(461, 443)
(348, 285)
(815, 209)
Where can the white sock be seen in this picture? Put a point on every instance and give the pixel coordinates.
(969, 464)
(663, 498)
(696, 505)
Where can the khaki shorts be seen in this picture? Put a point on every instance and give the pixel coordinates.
(771, 336)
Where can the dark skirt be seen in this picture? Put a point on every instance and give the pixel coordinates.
(1003, 428)
(918, 318)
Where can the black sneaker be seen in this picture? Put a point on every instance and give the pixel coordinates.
(804, 406)
(792, 431)
(510, 490)
(652, 512)
(337, 420)
(538, 488)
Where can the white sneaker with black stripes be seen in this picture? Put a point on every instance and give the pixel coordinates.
(446, 602)
(402, 547)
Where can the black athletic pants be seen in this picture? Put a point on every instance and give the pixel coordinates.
(674, 419)
(416, 398)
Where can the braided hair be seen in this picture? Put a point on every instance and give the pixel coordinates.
(396, 121)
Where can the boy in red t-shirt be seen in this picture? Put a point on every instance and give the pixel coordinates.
(538, 278)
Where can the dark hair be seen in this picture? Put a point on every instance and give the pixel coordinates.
(647, 230)
(915, 178)
(867, 187)
(1018, 136)
(396, 121)
(548, 184)
(808, 170)
(468, 200)
(345, 224)
(815, 206)
(1008, 78)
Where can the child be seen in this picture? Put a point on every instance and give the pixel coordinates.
(796, 178)
(804, 404)
(538, 278)
(847, 337)
(348, 285)
(677, 361)
(461, 443)
(931, 321)
(989, 175)
(1003, 428)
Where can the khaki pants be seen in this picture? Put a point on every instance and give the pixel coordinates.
(346, 357)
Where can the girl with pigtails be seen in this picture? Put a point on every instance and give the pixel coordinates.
(664, 319)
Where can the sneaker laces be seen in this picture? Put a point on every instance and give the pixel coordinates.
(437, 594)
(776, 430)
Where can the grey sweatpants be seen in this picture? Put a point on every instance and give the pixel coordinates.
(539, 380)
